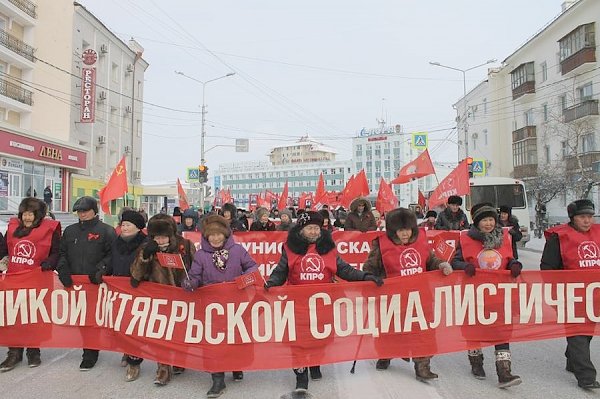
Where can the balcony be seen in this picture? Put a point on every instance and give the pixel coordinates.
(587, 160)
(525, 88)
(526, 132)
(26, 6)
(584, 108)
(15, 92)
(17, 46)
(583, 56)
(525, 171)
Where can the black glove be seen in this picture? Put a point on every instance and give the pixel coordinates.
(47, 266)
(65, 279)
(134, 283)
(376, 279)
(515, 268)
(470, 270)
(150, 249)
(96, 278)
(269, 284)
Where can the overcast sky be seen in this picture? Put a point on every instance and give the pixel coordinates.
(326, 68)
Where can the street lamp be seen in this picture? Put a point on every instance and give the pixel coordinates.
(203, 131)
(464, 73)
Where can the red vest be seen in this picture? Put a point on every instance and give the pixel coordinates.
(28, 252)
(404, 260)
(490, 259)
(311, 268)
(578, 250)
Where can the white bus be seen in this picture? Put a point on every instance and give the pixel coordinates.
(501, 191)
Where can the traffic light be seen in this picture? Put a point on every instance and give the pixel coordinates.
(202, 173)
(470, 165)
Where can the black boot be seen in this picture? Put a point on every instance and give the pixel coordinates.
(33, 357)
(503, 363)
(382, 364)
(301, 379)
(237, 375)
(13, 357)
(476, 360)
(218, 385)
(423, 370)
(315, 373)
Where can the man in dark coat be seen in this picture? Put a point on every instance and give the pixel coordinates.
(452, 218)
(507, 219)
(85, 247)
(360, 217)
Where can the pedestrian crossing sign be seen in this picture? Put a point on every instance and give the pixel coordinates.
(478, 167)
(192, 175)
(419, 141)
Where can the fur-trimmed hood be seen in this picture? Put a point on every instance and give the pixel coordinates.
(355, 202)
(298, 244)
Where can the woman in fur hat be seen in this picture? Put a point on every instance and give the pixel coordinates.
(163, 237)
(218, 259)
(487, 246)
(286, 220)
(32, 241)
(309, 238)
(262, 222)
(401, 235)
(429, 222)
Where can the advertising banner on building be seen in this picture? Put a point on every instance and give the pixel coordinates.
(3, 184)
(88, 86)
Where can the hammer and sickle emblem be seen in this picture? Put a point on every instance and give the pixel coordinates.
(120, 170)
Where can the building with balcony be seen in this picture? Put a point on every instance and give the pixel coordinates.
(304, 150)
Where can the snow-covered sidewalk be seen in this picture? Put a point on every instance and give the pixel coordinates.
(534, 244)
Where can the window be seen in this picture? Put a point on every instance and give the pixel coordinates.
(485, 106)
(378, 151)
(529, 120)
(522, 74)
(485, 136)
(547, 153)
(585, 92)
(358, 147)
(544, 68)
(564, 149)
(115, 73)
(587, 143)
(525, 152)
(545, 112)
(474, 144)
(562, 101)
(581, 37)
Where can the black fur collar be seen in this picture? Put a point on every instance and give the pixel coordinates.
(128, 247)
(298, 244)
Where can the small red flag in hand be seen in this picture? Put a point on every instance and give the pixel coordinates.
(248, 279)
(173, 261)
(442, 249)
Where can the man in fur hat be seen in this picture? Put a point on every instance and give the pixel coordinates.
(401, 235)
(307, 239)
(85, 248)
(163, 237)
(565, 246)
(452, 218)
(32, 241)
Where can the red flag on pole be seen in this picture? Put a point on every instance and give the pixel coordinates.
(362, 183)
(348, 194)
(386, 199)
(183, 201)
(422, 201)
(456, 183)
(419, 167)
(320, 188)
(283, 198)
(116, 186)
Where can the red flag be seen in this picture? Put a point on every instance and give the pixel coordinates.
(362, 183)
(456, 183)
(305, 201)
(226, 196)
(442, 249)
(116, 186)
(248, 279)
(283, 198)
(348, 193)
(420, 167)
(386, 199)
(320, 192)
(422, 201)
(173, 261)
(183, 201)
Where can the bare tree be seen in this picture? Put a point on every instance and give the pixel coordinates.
(549, 182)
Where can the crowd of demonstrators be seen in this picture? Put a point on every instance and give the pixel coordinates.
(453, 217)
(340, 221)
(31, 225)
(219, 259)
(486, 245)
(286, 220)
(309, 237)
(401, 234)
(561, 252)
(230, 213)
(189, 221)
(507, 219)
(162, 237)
(379, 221)
(360, 217)
(327, 225)
(85, 247)
(262, 222)
(429, 222)
(274, 214)
(419, 212)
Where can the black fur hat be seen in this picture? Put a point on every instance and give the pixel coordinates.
(133, 217)
(400, 218)
(161, 225)
(38, 207)
(581, 207)
(455, 199)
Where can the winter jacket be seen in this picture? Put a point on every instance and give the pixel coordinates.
(362, 222)
(204, 271)
(515, 233)
(297, 244)
(122, 255)
(85, 247)
(374, 263)
(188, 214)
(447, 220)
(150, 269)
(238, 225)
(258, 226)
(285, 226)
(458, 262)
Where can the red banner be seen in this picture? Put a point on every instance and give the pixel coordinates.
(456, 183)
(88, 95)
(220, 327)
